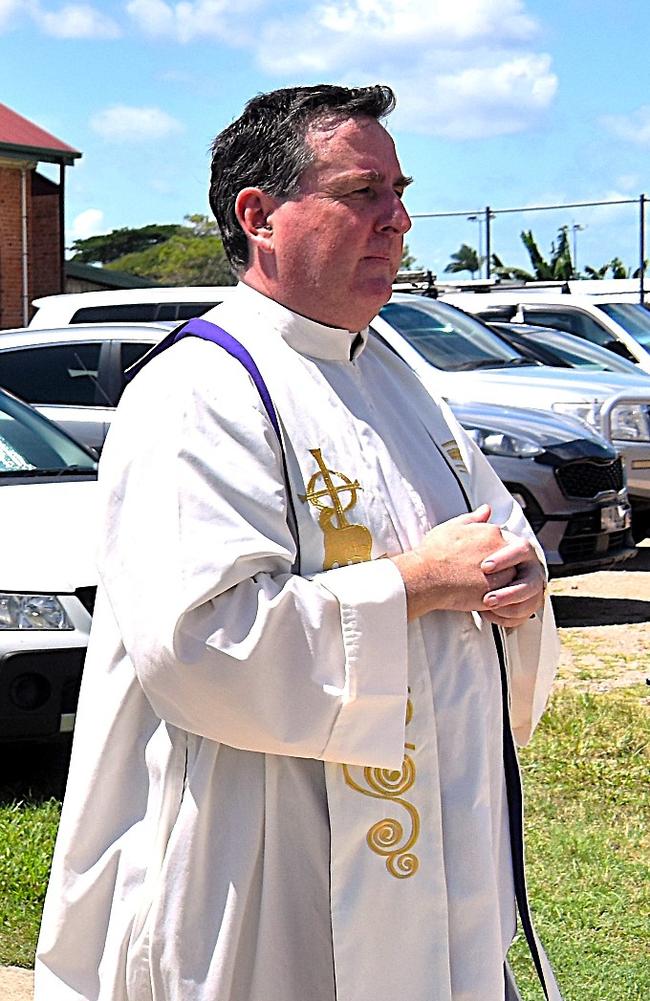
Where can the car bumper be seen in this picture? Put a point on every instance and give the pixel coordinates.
(40, 673)
(636, 457)
(578, 533)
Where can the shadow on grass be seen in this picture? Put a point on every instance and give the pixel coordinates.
(33, 772)
(590, 611)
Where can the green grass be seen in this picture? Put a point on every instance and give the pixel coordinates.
(27, 833)
(588, 799)
(587, 813)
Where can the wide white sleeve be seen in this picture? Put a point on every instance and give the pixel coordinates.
(226, 641)
(532, 649)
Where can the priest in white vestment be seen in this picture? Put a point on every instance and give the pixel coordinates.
(287, 781)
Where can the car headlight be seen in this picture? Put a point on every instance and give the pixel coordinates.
(588, 412)
(629, 421)
(513, 446)
(32, 611)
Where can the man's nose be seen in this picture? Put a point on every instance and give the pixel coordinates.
(395, 216)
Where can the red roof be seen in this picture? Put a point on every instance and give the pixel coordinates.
(19, 134)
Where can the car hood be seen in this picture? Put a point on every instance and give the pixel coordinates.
(533, 387)
(542, 427)
(49, 537)
(563, 380)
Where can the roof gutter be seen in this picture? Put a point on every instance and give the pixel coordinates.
(25, 245)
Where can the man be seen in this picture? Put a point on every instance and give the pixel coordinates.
(288, 779)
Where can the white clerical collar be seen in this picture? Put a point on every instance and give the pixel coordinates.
(304, 335)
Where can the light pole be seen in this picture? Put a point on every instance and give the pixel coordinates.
(478, 219)
(575, 229)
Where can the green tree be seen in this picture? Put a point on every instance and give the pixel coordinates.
(559, 266)
(596, 273)
(110, 246)
(616, 268)
(193, 255)
(466, 258)
(502, 270)
(408, 260)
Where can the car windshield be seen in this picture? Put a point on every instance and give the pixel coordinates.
(32, 446)
(632, 316)
(587, 355)
(448, 338)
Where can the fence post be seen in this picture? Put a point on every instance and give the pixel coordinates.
(488, 241)
(642, 201)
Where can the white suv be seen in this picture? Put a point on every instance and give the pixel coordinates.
(610, 320)
(127, 305)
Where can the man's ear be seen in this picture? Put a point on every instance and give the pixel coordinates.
(253, 208)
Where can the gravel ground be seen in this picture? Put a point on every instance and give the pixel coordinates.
(608, 612)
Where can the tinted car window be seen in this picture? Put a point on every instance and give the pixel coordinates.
(632, 317)
(447, 337)
(186, 310)
(61, 373)
(120, 312)
(30, 443)
(145, 312)
(573, 322)
(132, 352)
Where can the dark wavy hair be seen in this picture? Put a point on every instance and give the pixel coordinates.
(265, 147)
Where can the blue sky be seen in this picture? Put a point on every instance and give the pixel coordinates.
(502, 102)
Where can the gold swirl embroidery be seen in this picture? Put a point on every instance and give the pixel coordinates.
(387, 837)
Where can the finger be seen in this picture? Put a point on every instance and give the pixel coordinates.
(513, 554)
(506, 623)
(480, 514)
(499, 579)
(514, 594)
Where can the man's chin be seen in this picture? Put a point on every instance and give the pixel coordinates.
(374, 293)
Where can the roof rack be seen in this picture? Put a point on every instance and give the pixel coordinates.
(422, 282)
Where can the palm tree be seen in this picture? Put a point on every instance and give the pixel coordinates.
(558, 268)
(465, 259)
(502, 270)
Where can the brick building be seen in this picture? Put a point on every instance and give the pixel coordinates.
(31, 216)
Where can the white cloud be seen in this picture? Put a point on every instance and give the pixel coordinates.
(75, 20)
(478, 101)
(190, 19)
(335, 35)
(7, 9)
(87, 223)
(122, 123)
(634, 128)
(463, 70)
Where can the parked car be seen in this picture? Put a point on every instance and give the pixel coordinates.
(74, 374)
(620, 326)
(47, 573)
(569, 482)
(585, 512)
(461, 358)
(147, 305)
(562, 350)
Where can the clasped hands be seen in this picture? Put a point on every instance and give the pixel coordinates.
(467, 564)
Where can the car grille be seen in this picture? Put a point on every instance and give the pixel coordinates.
(590, 478)
(584, 539)
(576, 549)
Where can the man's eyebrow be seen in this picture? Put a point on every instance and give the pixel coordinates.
(373, 176)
